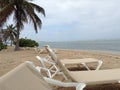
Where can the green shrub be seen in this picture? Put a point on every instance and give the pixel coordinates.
(27, 43)
(3, 46)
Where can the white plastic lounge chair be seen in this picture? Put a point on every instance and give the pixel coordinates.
(78, 62)
(83, 62)
(23, 77)
(92, 77)
(38, 50)
(52, 70)
(26, 77)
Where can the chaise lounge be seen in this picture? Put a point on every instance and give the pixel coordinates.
(79, 62)
(92, 77)
(26, 77)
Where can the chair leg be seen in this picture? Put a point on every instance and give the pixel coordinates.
(97, 68)
(99, 64)
(84, 64)
(80, 86)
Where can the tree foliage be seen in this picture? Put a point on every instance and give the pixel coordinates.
(10, 33)
(3, 46)
(27, 43)
(23, 11)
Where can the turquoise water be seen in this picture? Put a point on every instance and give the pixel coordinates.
(102, 45)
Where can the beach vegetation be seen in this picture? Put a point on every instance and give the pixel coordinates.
(23, 11)
(27, 43)
(3, 46)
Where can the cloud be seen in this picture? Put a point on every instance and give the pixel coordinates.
(79, 19)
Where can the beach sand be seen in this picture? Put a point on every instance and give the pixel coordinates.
(9, 58)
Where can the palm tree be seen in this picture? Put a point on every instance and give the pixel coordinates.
(23, 11)
(10, 33)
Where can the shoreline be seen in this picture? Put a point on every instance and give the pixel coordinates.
(99, 51)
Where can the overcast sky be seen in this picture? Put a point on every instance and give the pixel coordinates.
(71, 20)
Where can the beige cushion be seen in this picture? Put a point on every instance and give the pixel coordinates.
(23, 77)
(97, 76)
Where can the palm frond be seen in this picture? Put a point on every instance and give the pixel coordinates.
(18, 19)
(10, 33)
(5, 13)
(3, 3)
(38, 20)
(30, 12)
(38, 8)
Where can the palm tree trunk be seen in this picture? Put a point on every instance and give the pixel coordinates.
(11, 43)
(0, 43)
(17, 41)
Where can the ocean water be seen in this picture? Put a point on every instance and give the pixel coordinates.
(101, 45)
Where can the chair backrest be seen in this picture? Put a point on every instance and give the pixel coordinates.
(51, 69)
(51, 53)
(41, 61)
(59, 63)
(23, 77)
